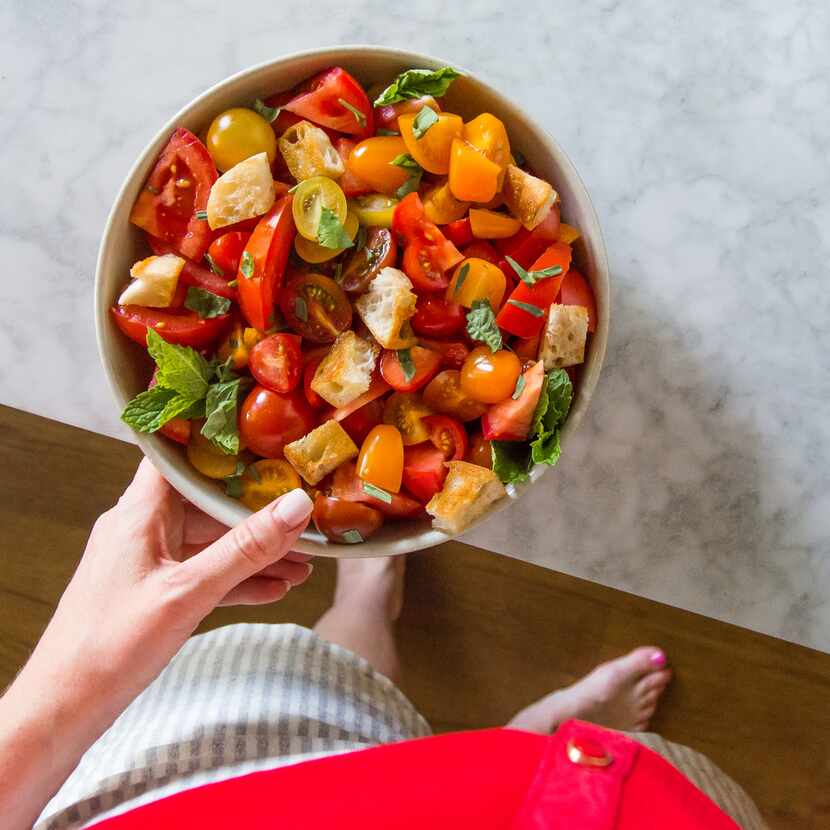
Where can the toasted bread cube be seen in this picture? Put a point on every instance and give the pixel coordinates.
(564, 337)
(386, 308)
(468, 491)
(155, 280)
(308, 152)
(528, 198)
(319, 452)
(346, 371)
(243, 192)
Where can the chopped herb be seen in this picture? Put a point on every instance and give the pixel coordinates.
(268, 113)
(481, 324)
(293, 187)
(462, 275)
(180, 368)
(331, 233)
(253, 472)
(233, 283)
(353, 537)
(520, 386)
(246, 265)
(423, 121)
(360, 239)
(532, 277)
(519, 158)
(205, 303)
(201, 214)
(528, 307)
(376, 492)
(405, 160)
(233, 486)
(415, 83)
(384, 131)
(407, 364)
(338, 271)
(213, 266)
(224, 371)
(301, 309)
(358, 115)
(220, 426)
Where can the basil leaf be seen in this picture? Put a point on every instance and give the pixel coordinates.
(220, 426)
(213, 266)
(353, 537)
(410, 185)
(331, 233)
(481, 324)
(520, 386)
(358, 115)
(201, 214)
(384, 131)
(415, 83)
(268, 113)
(205, 303)
(423, 121)
(301, 309)
(253, 472)
(462, 275)
(246, 265)
(376, 492)
(180, 368)
(528, 307)
(405, 160)
(407, 364)
(511, 460)
(532, 277)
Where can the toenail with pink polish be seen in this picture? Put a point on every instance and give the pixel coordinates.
(658, 659)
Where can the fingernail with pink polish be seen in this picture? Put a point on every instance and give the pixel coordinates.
(658, 659)
(293, 507)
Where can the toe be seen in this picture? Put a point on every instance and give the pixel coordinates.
(643, 660)
(654, 681)
(641, 725)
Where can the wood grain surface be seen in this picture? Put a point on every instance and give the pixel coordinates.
(481, 634)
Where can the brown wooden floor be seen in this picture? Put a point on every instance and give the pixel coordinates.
(481, 634)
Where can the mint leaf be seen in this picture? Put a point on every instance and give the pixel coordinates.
(180, 368)
(423, 121)
(481, 324)
(551, 411)
(143, 413)
(528, 307)
(246, 265)
(407, 364)
(511, 460)
(205, 303)
(268, 113)
(415, 83)
(532, 277)
(330, 231)
(358, 115)
(220, 426)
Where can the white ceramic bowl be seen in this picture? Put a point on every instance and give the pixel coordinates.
(128, 367)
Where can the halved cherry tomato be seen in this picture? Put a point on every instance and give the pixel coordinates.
(266, 480)
(488, 135)
(510, 420)
(448, 435)
(481, 280)
(316, 307)
(387, 115)
(208, 459)
(514, 317)
(575, 290)
(444, 394)
(226, 250)
(406, 411)
(479, 452)
(374, 210)
(490, 224)
(322, 99)
(437, 317)
(238, 345)
(381, 458)
(183, 328)
(362, 421)
(346, 522)
(377, 387)
(473, 177)
(276, 362)
(425, 364)
(453, 353)
(482, 249)
(424, 471)
(268, 421)
(347, 485)
(371, 161)
(419, 265)
(379, 252)
(308, 375)
(432, 149)
(441, 207)
(263, 263)
(488, 376)
(350, 184)
(177, 188)
(459, 233)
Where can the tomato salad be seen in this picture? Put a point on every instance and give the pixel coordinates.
(358, 293)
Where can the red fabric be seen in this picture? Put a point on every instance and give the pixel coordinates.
(500, 778)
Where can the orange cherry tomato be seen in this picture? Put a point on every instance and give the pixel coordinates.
(387, 115)
(209, 460)
(488, 224)
(488, 376)
(481, 280)
(473, 177)
(444, 394)
(267, 480)
(488, 135)
(238, 345)
(479, 452)
(371, 162)
(432, 149)
(423, 365)
(441, 207)
(381, 458)
(406, 411)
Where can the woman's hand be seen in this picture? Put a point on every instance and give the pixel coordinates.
(153, 568)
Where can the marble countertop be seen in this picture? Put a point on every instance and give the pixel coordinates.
(701, 475)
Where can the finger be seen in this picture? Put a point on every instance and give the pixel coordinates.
(257, 590)
(199, 528)
(294, 572)
(148, 486)
(296, 556)
(259, 541)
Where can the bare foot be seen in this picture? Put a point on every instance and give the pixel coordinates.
(376, 584)
(620, 694)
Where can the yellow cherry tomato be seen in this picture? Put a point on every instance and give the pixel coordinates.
(490, 377)
(372, 159)
(381, 458)
(473, 177)
(487, 224)
(476, 279)
(568, 233)
(237, 134)
(310, 197)
(405, 410)
(432, 149)
(267, 480)
(209, 460)
(238, 345)
(444, 394)
(314, 252)
(441, 207)
(488, 135)
(374, 210)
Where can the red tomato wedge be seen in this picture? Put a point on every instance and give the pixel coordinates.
(347, 486)
(350, 184)
(276, 362)
(183, 328)
(459, 232)
(448, 435)
(324, 99)
(195, 274)
(177, 188)
(510, 420)
(438, 317)
(268, 247)
(425, 365)
(308, 375)
(482, 249)
(226, 250)
(362, 421)
(423, 471)
(575, 290)
(526, 246)
(453, 353)
(515, 316)
(377, 387)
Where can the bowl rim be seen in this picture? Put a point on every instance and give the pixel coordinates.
(422, 538)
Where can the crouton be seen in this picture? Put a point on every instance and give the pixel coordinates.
(308, 152)
(529, 199)
(319, 452)
(243, 192)
(155, 280)
(468, 491)
(564, 337)
(346, 371)
(386, 308)
(568, 233)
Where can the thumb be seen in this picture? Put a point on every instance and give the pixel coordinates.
(259, 541)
